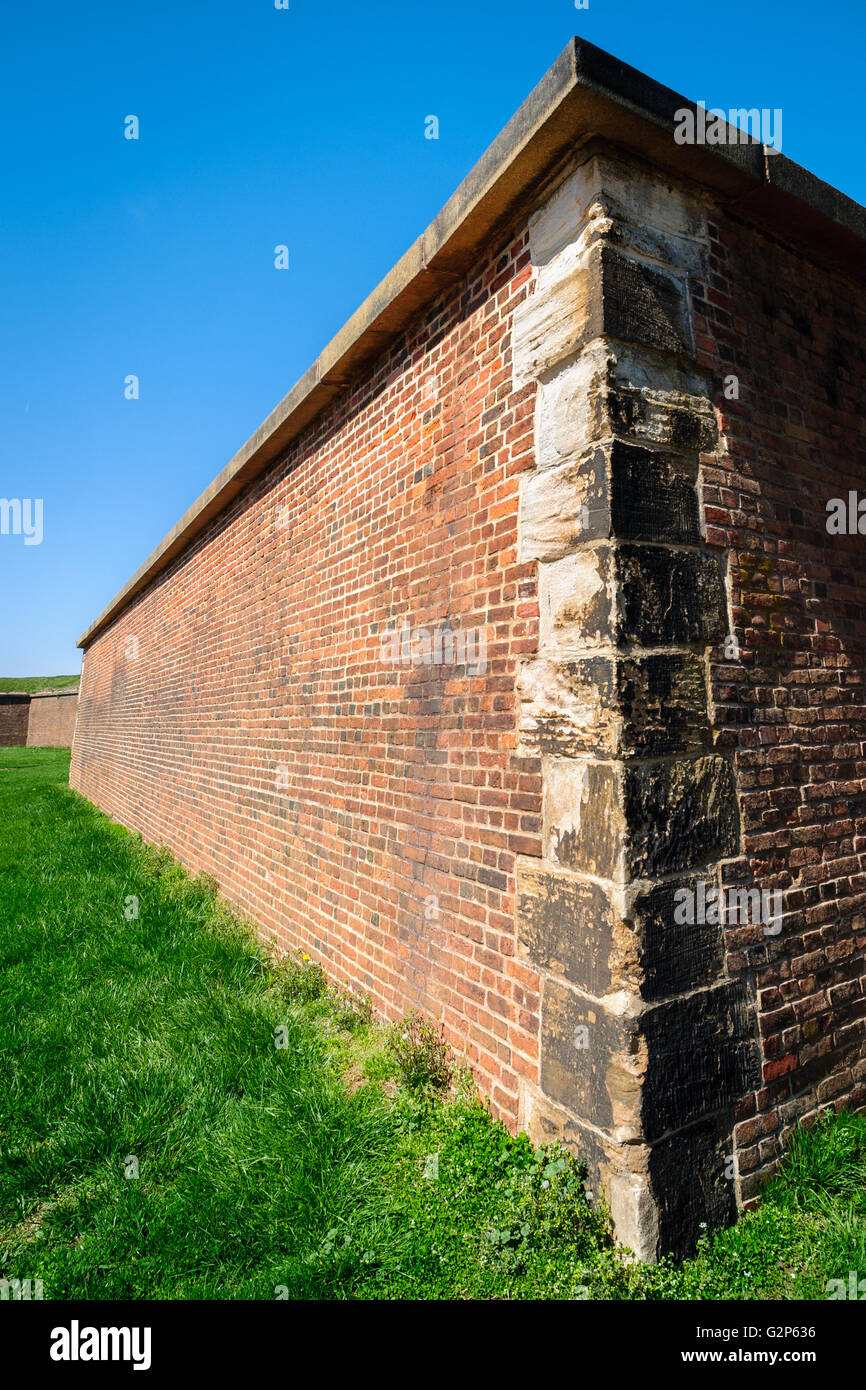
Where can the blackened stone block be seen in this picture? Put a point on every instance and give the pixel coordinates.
(701, 1056)
(568, 926)
(653, 495)
(624, 594)
(679, 815)
(690, 1177)
(668, 596)
(625, 821)
(640, 413)
(673, 956)
(663, 703)
(643, 305)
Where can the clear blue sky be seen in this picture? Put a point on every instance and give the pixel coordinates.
(258, 127)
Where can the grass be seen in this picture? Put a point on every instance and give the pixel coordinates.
(30, 684)
(144, 1031)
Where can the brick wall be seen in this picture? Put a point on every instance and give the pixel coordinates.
(663, 695)
(52, 720)
(14, 716)
(789, 697)
(247, 709)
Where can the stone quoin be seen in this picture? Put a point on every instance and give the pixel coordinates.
(527, 434)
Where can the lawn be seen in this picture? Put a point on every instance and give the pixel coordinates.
(184, 1117)
(30, 684)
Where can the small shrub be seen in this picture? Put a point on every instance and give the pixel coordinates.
(299, 979)
(422, 1057)
(349, 1010)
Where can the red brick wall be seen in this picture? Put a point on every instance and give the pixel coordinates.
(14, 716)
(52, 720)
(240, 709)
(792, 705)
(389, 851)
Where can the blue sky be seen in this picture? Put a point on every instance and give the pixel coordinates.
(259, 127)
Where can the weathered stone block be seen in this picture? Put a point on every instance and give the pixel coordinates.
(569, 708)
(571, 407)
(582, 932)
(614, 490)
(659, 1195)
(554, 323)
(592, 1060)
(667, 418)
(614, 389)
(645, 1075)
(625, 821)
(570, 927)
(619, 594)
(640, 206)
(563, 506)
(614, 706)
(584, 824)
(547, 1122)
(601, 293)
(577, 607)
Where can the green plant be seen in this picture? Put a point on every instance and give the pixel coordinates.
(349, 1010)
(420, 1053)
(826, 1159)
(299, 979)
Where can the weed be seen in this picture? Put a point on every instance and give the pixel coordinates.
(421, 1055)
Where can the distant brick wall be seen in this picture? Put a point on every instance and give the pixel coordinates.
(52, 720)
(14, 717)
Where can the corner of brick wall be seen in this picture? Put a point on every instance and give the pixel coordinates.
(646, 1043)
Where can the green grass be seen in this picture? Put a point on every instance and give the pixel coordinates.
(30, 684)
(303, 1168)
